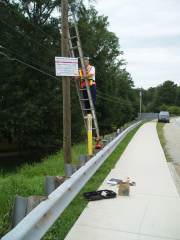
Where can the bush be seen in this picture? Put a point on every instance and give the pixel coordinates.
(174, 110)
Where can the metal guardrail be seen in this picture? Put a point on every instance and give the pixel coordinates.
(148, 116)
(40, 219)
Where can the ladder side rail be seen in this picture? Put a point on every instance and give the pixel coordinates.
(85, 76)
(76, 83)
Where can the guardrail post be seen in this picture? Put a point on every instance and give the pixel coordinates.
(68, 169)
(19, 210)
(23, 206)
(53, 182)
(82, 159)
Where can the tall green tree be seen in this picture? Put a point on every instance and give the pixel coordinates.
(161, 97)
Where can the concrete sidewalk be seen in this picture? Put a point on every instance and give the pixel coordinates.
(151, 212)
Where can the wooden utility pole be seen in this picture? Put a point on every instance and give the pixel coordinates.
(66, 90)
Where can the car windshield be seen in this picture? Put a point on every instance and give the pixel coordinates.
(164, 114)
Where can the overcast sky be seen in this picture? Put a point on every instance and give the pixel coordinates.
(149, 35)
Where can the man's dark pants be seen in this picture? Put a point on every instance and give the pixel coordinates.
(93, 95)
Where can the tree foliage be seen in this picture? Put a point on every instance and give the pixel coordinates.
(162, 97)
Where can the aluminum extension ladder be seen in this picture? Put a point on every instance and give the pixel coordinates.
(78, 46)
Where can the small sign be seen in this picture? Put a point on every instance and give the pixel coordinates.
(66, 66)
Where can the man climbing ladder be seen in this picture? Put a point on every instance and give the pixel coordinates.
(90, 73)
(86, 91)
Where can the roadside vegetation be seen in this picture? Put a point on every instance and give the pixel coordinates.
(162, 139)
(29, 180)
(164, 97)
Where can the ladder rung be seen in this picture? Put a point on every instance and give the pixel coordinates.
(85, 116)
(73, 37)
(75, 47)
(72, 26)
(84, 99)
(87, 109)
(82, 89)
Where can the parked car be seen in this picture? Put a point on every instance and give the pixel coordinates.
(164, 117)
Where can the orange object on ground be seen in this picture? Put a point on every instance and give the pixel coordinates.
(98, 143)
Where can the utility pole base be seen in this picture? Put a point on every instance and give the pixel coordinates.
(68, 168)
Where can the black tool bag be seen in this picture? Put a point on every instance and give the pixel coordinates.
(99, 195)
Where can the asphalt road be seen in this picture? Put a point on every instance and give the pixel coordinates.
(172, 136)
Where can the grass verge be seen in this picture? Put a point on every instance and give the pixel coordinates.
(29, 180)
(162, 139)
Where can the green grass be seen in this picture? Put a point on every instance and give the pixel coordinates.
(29, 180)
(162, 139)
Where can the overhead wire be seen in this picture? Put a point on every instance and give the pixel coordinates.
(23, 34)
(115, 100)
(25, 57)
(27, 64)
(110, 98)
(107, 97)
(35, 26)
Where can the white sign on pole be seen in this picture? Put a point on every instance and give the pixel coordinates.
(66, 66)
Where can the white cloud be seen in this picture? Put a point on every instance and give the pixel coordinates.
(150, 67)
(149, 35)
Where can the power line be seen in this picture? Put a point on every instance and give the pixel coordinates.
(43, 72)
(109, 100)
(10, 26)
(112, 99)
(35, 26)
(23, 34)
(3, 2)
(22, 56)
(26, 64)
